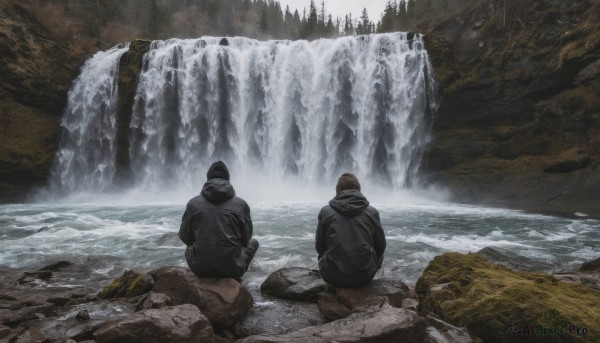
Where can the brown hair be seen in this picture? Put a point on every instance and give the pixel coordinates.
(347, 181)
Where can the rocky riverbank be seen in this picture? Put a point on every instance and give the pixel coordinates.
(459, 298)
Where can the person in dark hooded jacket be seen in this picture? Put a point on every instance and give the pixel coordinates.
(217, 229)
(350, 240)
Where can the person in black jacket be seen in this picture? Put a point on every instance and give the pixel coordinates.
(350, 240)
(217, 229)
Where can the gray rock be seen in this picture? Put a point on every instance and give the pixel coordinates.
(57, 266)
(442, 332)
(378, 293)
(295, 283)
(331, 307)
(223, 301)
(31, 335)
(278, 317)
(182, 324)
(153, 300)
(67, 325)
(29, 277)
(23, 314)
(83, 315)
(4, 331)
(384, 325)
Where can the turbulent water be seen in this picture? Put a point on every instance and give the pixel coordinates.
(144, 237)
(276, 112)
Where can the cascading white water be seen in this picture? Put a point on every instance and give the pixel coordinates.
(274, 111)
(85, 159)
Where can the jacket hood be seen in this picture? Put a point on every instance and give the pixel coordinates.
(217, 190)
(349, 202)
(218, 170)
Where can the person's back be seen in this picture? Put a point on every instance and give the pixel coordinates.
(350, 240)
(217, 229)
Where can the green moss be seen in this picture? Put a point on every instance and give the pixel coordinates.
(489, 299)
(127, 285)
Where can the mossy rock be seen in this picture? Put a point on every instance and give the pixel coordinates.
(502, 305)
(130, 284)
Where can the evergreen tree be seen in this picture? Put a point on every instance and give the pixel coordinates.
(321, 21)
(329, 28)
(312, 21)
(388, 19)
(265, 24)
(365, 23)
(402, 15)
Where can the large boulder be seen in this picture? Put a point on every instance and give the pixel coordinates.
(223, 301)
(182, 324)
(495, 303)
(383, 325)
(294, 283)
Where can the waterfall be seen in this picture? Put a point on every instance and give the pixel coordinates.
(85, 158)
(273, 111)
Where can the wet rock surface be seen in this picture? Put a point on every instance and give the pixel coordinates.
(295, 283)
(223, 301)
(461, 297)
(383, 325)
(377, 294)
(156, 316)
(182, 323)
(278, 317)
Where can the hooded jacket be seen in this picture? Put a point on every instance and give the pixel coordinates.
(216, 227)
(350, 240)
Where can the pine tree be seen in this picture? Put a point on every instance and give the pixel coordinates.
(388, 19)
(365, 23)
(312, 21)
(329, 28)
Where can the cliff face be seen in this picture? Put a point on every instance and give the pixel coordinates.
(518, 123)
(36, 74)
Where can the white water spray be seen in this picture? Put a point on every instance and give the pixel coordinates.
(277, 112)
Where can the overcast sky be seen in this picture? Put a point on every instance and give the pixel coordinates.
(340, 7)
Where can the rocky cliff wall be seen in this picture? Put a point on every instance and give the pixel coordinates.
(35, 75)
(518, 123)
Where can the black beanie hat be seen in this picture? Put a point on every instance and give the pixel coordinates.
(218, 170)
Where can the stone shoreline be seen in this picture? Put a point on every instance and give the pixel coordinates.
(459, 298)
